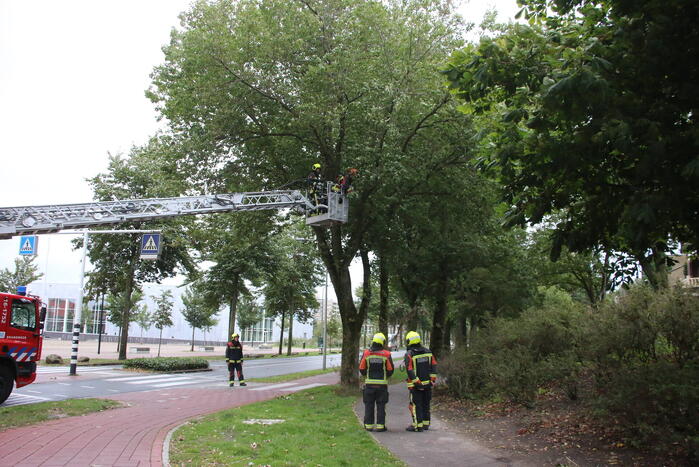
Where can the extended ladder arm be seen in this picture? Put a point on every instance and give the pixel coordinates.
(27, 220)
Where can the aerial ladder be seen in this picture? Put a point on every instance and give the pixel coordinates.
(31, 220)
(21, 339)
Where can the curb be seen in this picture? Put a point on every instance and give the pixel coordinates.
(166, 444)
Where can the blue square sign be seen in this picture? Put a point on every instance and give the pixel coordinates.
(150, 246)
(28, 245)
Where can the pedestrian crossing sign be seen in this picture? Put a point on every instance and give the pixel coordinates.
(28, 245)
(150, 246)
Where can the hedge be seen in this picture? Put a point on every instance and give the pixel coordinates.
(167, 363)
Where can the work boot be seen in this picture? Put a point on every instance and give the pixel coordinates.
(414, 428)
(243, 383)
(231, 384)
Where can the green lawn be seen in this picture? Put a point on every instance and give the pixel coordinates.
(21, 415)
(319, 428)
(291, 376)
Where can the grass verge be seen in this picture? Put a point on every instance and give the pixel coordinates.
(291, 376)
(21, 415)
(319, 428)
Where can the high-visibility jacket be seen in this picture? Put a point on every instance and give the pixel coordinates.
(377, 365)
(421, 367)
(234, 352)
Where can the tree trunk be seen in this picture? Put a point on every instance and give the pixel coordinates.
(281, 333)
(655, 268)
(160, 340)
(233, 305)
(192, 349)
(460, 331)
(437, 343)
(126, 312)
(290, 336)
(383, 297)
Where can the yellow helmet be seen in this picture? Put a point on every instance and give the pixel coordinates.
(379, 338)
(316, 166)
(234, 335)
(412, 338)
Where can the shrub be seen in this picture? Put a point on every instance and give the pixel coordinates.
(167, 363)
(514, 357)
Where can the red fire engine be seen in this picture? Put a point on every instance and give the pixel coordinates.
(21, 320)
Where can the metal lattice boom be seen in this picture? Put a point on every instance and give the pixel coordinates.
(27, 220)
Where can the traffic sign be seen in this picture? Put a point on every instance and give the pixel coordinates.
(28, 245)
(150, 246)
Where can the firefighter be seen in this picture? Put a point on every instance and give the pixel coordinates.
(422, 374)
(316, 190)
(344, 181)
(234, 358)
(376, 364)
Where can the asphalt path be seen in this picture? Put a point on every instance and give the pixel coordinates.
(103, 381)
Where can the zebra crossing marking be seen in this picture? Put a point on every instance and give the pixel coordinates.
(22, 399)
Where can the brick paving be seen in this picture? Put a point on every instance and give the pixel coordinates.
(128, 436)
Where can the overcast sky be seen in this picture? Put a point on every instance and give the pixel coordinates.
(72, 80)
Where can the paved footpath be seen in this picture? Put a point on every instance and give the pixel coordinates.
(441, 446)
(132, 435)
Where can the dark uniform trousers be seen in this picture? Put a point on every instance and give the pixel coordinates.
(235, 367)
(375, 395)
(420, 406)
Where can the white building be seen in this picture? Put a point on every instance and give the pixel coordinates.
(60, 300)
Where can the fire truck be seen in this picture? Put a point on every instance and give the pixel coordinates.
(21, 322)
(21, 316)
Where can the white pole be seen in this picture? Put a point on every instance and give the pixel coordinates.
(325, 322)
(77, 317)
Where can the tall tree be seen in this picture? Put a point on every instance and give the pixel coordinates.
(268, 88)
(162, 315)
(239, 245)
(197, 311)
(25, 273)
(290, 289)
(115, 257)
(142, 317)
(593, 115)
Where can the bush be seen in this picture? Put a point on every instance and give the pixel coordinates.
(167, 363)
(514, 357)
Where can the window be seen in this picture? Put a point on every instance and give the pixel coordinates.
(23, 315)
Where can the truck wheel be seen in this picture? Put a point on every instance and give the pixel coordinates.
(7, 383)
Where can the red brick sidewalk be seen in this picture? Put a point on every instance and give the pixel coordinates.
(129, 436)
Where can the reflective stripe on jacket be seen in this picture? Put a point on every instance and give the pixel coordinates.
(376, 365)
(421, 366)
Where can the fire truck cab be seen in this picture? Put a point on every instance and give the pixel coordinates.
(21, 321)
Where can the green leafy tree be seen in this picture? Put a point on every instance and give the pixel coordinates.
(290, 289)
(591, 114)
(143, 318)
(115, 257)
(266, 89)
(25, 273)
(162, 315)
(197, 311)
(249, 312)
(239, 246)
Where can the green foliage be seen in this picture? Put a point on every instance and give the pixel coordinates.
(25, 273)
(641, 348)
(167, 363)
(564, 109)
(162, 316)
(514, 357)
(197, 311)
